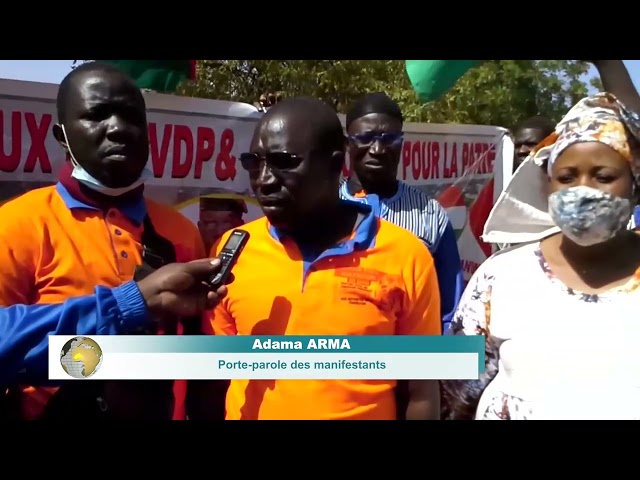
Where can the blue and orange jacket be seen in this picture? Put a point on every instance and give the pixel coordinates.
(24, 329)
(57, 247)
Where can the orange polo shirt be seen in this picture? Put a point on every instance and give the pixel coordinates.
(380, 281)
(54, 247)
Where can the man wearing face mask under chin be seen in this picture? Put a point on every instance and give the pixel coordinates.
(560, 314)
(94, 227)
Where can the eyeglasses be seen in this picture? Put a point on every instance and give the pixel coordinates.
(281, 161)
(369, 138)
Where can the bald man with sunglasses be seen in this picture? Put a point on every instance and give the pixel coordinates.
(319, 265)
(374, 128)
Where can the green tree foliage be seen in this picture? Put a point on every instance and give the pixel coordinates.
(499, 92)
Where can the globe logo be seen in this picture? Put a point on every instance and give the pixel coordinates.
(81, 357)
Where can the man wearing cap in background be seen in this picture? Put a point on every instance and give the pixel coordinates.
(374, 127)
(217, 215)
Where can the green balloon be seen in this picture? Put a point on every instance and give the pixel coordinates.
(430, 79)
(158, 75)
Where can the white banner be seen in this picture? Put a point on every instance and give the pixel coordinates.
(195, 144)
(464, 167)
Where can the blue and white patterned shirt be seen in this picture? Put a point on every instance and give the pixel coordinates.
(413, 210)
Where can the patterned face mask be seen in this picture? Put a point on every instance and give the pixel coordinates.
(589, 216)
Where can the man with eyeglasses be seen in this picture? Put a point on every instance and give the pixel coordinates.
(319, 265)
(374, 128)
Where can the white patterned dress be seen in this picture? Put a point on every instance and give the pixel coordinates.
(552, 352)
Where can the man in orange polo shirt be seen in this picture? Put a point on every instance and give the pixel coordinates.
(318, 265)
(94, 227)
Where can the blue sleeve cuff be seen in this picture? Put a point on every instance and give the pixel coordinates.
(133, 308)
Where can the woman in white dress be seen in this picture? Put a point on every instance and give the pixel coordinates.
(561, 315)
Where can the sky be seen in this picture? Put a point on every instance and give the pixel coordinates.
(53, 71)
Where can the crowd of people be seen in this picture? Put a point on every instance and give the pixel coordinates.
(94, 256)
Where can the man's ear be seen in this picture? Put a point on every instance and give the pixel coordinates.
(635, 193)
(338, 157)
(59, 136)
(337, 161)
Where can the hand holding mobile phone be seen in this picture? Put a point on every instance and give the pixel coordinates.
(229, 256)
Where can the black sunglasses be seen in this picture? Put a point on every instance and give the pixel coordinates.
(252, 162)
(369, 138)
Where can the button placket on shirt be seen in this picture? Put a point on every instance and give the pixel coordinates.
(122, 244)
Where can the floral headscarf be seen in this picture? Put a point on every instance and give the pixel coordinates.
(521, 212)
(600, 118)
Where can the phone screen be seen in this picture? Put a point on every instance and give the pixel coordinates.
(233, 242)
